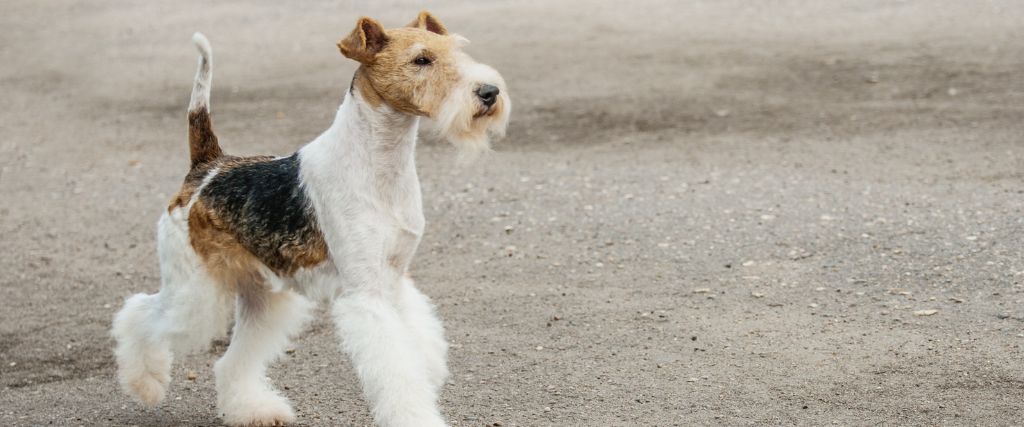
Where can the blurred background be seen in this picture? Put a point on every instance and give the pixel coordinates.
(705, 212)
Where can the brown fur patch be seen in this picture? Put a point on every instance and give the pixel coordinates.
(362, 85)
(389, 73)
(364, 41)
(188, 188)
(426, 21)
(202, 142)
(226, 260)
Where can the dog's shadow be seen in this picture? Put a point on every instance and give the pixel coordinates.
(166, 417)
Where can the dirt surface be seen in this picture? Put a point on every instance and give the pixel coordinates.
(704, 213)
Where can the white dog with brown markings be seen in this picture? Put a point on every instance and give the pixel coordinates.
(340, 219)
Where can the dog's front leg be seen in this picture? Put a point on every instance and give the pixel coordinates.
(421, 316)
(397, 381)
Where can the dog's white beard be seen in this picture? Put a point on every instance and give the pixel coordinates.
(455, 120)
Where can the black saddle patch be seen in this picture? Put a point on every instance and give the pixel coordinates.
(263, 205)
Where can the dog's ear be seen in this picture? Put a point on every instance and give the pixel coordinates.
(365, 41)
(426, 21)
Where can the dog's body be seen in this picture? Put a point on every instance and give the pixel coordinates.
(339, 220)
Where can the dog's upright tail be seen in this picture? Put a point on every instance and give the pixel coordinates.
(202, 142)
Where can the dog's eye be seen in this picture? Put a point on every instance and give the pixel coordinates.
(422, 60)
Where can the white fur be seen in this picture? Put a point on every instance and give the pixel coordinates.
(420, 316)
(373, 225)
(204, 73)
(263, 323)
(460, 40)
(455, 121)
(360, 177)
(387, 357)
(189, 310)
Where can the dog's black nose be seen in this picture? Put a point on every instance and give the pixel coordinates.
(488, 94)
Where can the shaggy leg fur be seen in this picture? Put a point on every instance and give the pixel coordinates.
(385, 354)
(143, 357)
(264, 322)
(185, 315)
(421, 318)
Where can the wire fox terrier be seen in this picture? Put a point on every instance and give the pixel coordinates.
(340, 220)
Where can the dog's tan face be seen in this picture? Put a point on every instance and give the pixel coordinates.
(421, 69)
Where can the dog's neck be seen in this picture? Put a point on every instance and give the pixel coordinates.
(367, 149)
(385, 134)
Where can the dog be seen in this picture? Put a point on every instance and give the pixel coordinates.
(338, 220)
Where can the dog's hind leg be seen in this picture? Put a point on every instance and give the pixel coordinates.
(143, 358)
(189, 310)
(264, 321)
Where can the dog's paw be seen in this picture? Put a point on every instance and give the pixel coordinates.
(146, 386)
(267, 411)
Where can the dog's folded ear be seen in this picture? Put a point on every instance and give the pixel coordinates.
(365, 41)
(426, 21)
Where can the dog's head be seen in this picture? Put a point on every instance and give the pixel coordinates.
(420, 69)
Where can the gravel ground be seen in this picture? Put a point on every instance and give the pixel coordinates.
(705, 213)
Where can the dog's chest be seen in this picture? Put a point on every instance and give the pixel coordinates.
(403, 235)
